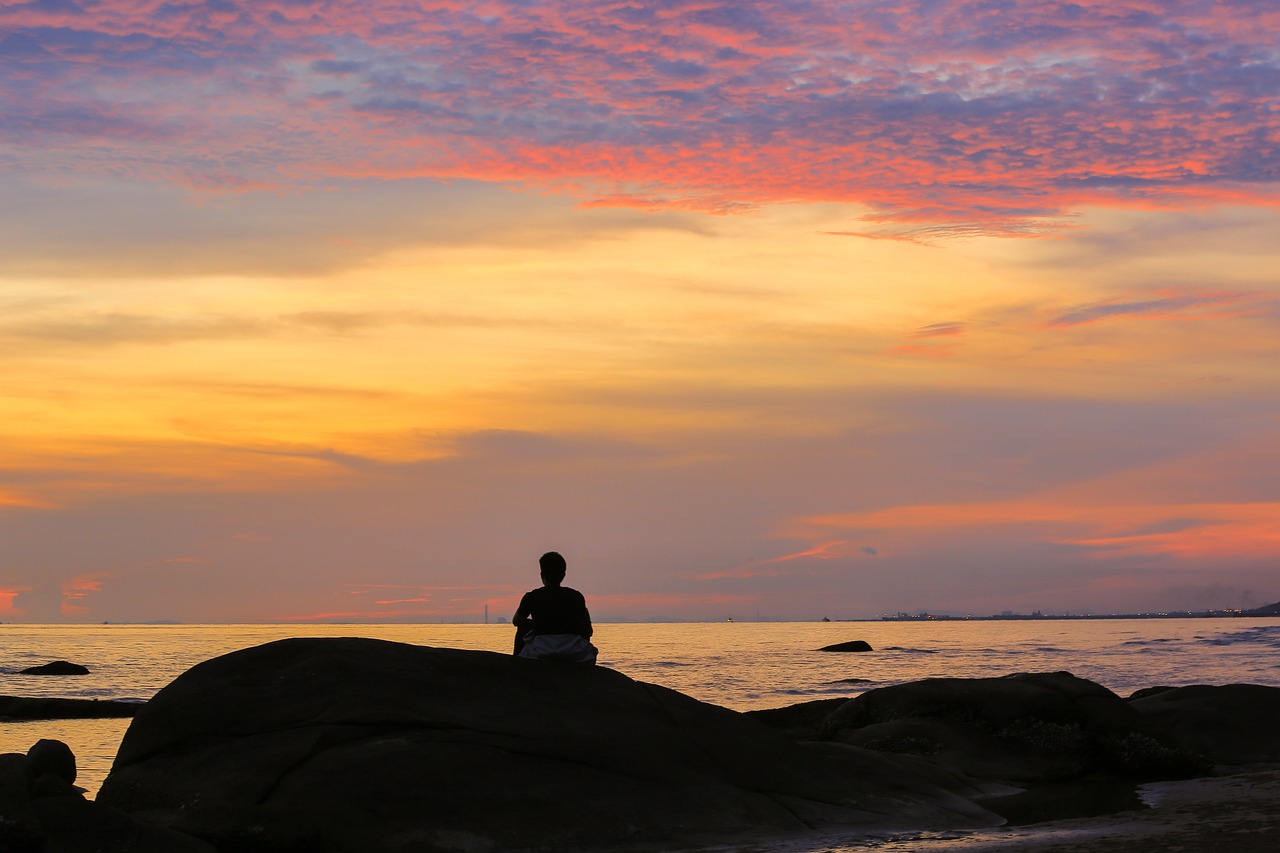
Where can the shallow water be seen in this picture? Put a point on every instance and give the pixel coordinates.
(741, 665)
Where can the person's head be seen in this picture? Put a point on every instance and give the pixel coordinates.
(552, 567)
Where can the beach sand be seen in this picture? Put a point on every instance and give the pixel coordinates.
(1236, 813)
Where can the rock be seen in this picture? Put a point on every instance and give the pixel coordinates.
(372, 746)
(53, 757)
(41, 811)
(851, 646)
(20, 829)
(13, 708)
(1228, 724)
(76, 825)
(1024, 730)
(802, 721)
(58, 667)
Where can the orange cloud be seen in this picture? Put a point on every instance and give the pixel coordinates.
(635, 601)
(78, 589)
(1186, 530)
(7, 596)
(829, 550)
(13, 499)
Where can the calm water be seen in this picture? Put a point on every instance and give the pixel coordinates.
(739, 665)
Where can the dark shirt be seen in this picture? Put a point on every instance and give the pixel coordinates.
(557, 610)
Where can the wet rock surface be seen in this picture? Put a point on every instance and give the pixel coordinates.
(14, 708)
(851, 646)
(58, 667)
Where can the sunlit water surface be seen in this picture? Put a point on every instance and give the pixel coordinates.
(742, 665)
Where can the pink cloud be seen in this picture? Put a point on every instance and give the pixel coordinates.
(78, 589)
(7, 595)
(957, 112)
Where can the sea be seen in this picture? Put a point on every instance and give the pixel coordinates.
(739, 665)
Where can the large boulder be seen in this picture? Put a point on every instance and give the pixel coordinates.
(1228, 724)
(371, 746)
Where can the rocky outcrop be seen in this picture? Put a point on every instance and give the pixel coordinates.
(851, 646)
(1228, 724)
(15, 708)
(1030, 747)
(42, 811)
(58, 667)
(365, 745)
(1022, 729)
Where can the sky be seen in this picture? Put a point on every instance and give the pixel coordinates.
(335, 311)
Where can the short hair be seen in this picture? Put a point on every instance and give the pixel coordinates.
(553, 564)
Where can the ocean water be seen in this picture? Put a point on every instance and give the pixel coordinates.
(742, 665)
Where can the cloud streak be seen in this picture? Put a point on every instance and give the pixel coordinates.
(962, 112)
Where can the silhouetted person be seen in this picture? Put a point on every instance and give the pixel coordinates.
(552, 621)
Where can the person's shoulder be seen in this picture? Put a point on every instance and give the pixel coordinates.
(571, 592)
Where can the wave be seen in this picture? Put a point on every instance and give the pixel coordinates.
(1267, 635)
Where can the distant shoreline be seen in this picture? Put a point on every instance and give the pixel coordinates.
(1039, 617)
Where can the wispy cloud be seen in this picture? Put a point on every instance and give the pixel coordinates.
(1166, 307)
(772, 567)
(1100, 529)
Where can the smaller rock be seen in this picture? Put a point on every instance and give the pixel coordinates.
(851, 646)
(54, 757)
(15, 708)
(58, 667)
(20, 830)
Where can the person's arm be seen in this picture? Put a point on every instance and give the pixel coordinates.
(585, 626)
(521, 619)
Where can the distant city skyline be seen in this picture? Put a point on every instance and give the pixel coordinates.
(328, 311)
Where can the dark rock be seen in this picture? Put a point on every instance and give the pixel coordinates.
(1229, 724)
(851, 646)
(1144, 692)
(50, 785)
(802, 721)
(58, 667)
(13, 708)
(41, 811)
(1025, 730)
(75, 825)
(356, 744)
(20, 829)
(53, 757)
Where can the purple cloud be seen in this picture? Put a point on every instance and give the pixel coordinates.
(961, 111)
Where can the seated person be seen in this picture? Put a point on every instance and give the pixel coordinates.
(552, 621)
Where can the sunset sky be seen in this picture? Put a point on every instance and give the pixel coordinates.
(347, 311)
